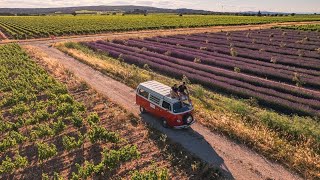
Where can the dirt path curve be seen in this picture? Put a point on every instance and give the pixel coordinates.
(235, 160)
(146, 33)
(2, 36)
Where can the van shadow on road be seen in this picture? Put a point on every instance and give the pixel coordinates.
(193, 141)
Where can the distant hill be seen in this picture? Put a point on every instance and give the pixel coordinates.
(69, 10)
(263, 12)
(123, 9)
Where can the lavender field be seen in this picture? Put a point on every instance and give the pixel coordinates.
(279, 68)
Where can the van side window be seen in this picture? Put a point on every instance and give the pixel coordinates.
(143, 93)
(166, 105)
(154, 99)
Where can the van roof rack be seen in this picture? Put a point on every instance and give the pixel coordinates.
(160, 90)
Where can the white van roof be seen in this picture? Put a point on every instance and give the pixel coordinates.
(158, 89)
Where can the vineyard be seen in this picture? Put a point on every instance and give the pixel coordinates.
(311, 27)
(41, 27)
(47, 134)
(278, 68)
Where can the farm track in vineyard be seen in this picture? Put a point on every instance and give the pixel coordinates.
(215, 149)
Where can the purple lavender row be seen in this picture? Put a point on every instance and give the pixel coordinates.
(273, 42)
(225, 44)
(265, 56)
(212, 83)
(247, 68)
(292, 32)
(260, 63)
(308, 78)
(245, 53)
(224, 62)
(300, 92)
(294, 35)
(204, 70)
(94, 46)
(287, 39)
(273, 49)
(283, 51)
(311, 81)
(311, 40)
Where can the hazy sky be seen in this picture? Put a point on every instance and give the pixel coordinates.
(214, 5)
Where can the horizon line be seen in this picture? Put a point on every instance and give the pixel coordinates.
(284, 12)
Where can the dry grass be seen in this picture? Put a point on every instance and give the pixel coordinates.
(155, 151)
(258, 128)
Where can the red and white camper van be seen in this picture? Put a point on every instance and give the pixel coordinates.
(154, 97)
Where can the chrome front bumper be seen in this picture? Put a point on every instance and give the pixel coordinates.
(184, 126)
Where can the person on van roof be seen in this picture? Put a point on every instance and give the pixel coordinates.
(174, 91)
(184, 91)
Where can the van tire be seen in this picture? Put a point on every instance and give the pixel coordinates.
(164, 123)
(142, 110)
(185, 118)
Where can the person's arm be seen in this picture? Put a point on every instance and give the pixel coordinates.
(172, 93)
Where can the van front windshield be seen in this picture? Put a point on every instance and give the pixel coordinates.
(179, 108)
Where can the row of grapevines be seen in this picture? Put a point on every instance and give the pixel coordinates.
(9, 165)
(44, 26)
(311, 27)
(111, 159)
(35, 109)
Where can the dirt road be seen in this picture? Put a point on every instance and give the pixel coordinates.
(2, 36)
(235, 160)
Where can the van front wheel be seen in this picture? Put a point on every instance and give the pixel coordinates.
(142, 110)
(164, 123)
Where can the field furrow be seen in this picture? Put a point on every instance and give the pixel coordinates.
(207, 79)
(162, 48)
(242, 71)
(307, 63)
